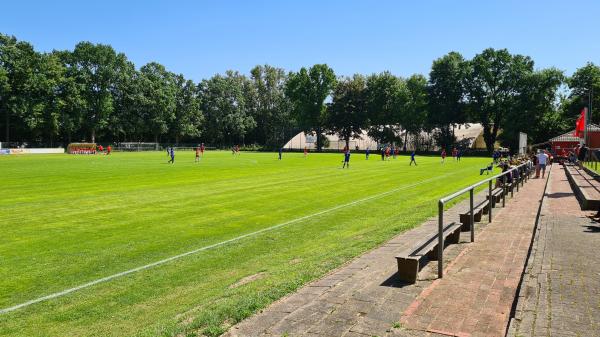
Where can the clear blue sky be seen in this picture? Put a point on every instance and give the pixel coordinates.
(201, 38)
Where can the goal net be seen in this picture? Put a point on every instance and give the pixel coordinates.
(137, 146)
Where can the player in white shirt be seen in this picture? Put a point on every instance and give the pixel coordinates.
(542, 158)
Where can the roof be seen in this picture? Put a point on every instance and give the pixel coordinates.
(569, 136)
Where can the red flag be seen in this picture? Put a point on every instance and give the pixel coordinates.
(580, 125)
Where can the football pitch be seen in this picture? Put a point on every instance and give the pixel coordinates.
(129, 245)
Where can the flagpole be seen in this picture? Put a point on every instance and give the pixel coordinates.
(585, 125)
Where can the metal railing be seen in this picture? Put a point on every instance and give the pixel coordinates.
(523, 172)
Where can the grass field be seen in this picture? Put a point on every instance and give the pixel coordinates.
(67, 220)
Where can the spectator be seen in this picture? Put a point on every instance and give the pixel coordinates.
(582, 153)
(542, 159)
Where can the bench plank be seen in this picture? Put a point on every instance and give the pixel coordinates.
(411, 261)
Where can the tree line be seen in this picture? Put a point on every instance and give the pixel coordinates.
(93, 93)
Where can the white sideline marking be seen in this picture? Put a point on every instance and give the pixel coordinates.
(154, 264)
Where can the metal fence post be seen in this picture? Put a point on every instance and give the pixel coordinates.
(513, 180)
(504, 190)
(472, 216)
(522, 182)
(491, 201)
(441, 239)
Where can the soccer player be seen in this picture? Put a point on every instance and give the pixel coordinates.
(367, 152)
(443, 155)
(387, 152)
(197, 154)
(202, 149)
(100, 149)
(382, 153)
(458, 155)
(412, 158)
(108, 150)
(305, 152)
(346, 159)
(172, 154)
(280, 152)
(454, 153)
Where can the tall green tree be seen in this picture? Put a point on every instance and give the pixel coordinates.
(415, 118)
(387, 97)
(270, 106)
(188, 116)
(347, 114)
(157, 99)
(585, 87)
(447, 94)
(18, 61)
(96, 68)
(45, 117)
(494, 85)
(307, 90)
(125, 122)
(535, 109)
(227, 119)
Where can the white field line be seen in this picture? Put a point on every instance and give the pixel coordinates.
(169, 259)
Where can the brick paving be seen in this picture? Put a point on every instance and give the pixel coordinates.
(476, 295)
(364, 297)
(560, 293)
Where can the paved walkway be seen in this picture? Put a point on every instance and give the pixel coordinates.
(560, 295)
(364, 298)
(476, 295)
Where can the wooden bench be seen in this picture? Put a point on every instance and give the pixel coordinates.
(511, 186)
(478, 211)
(412, 260)
(496, 196)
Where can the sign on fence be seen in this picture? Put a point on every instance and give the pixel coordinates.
(522, 143)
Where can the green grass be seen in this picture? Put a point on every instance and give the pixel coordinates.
(592, 166)
(67, 220)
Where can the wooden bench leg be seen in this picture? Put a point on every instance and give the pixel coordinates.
(466, 226)
(408, 269)
(453, 238)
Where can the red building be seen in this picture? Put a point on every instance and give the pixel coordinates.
(568, 141)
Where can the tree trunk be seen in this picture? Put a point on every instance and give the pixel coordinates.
(405, 140)
(347, 142)
(319, 145)
(7, 138)
(487, 137)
